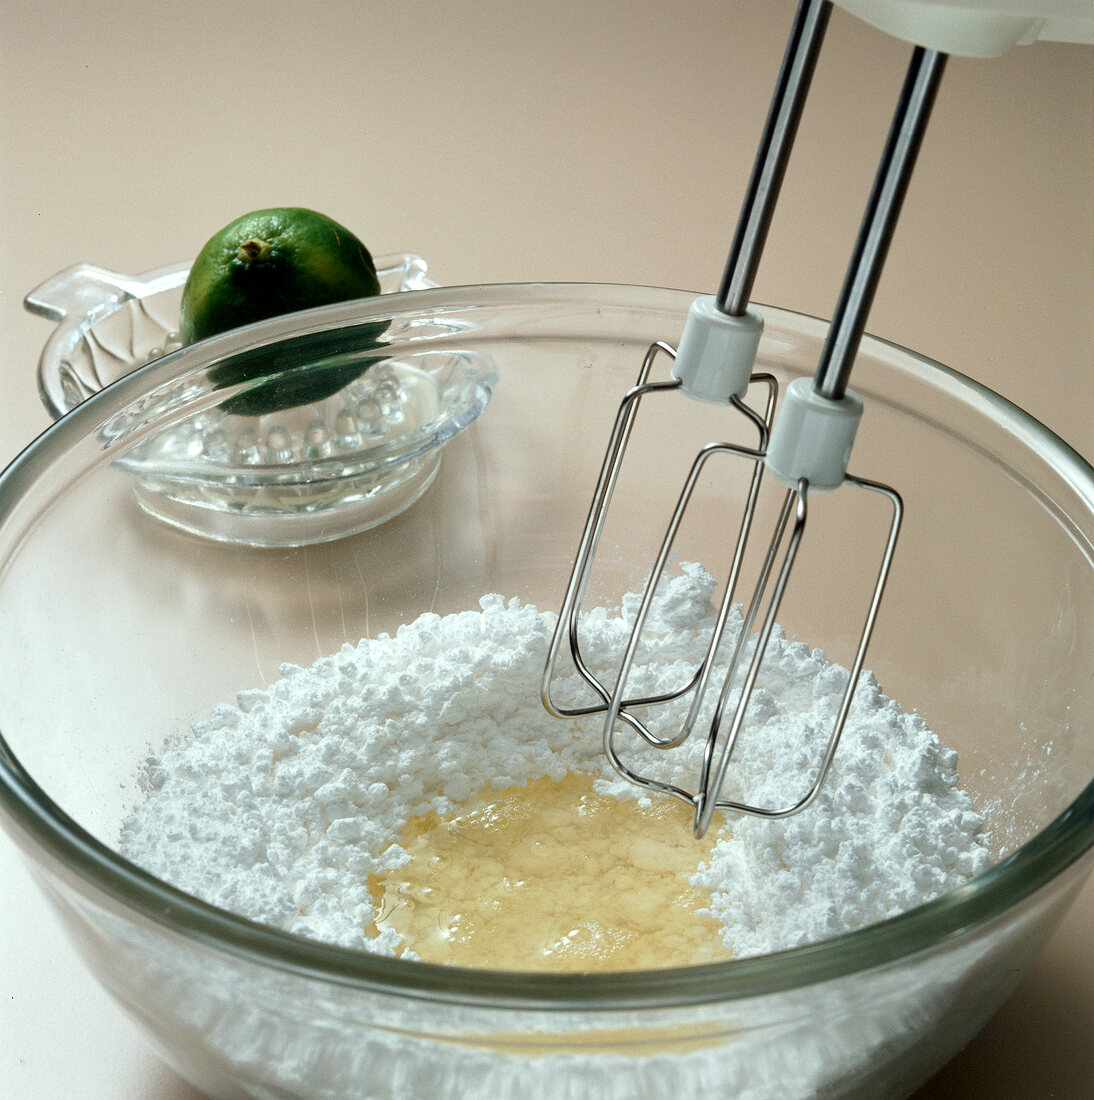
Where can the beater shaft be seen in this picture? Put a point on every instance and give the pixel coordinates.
(780, 129)
(879, 223)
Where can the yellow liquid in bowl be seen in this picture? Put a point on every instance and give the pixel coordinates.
(552, 876)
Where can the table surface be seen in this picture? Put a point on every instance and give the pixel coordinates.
(518, 141)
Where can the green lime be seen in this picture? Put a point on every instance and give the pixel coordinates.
(265, 264)
(272, 262)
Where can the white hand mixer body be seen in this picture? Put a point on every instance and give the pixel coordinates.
(808, 445)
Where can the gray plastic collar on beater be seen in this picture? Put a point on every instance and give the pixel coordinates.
(717, 351)
(813, 436)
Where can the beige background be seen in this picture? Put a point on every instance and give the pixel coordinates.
(506, 140)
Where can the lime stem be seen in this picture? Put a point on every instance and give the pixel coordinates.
(254, 251)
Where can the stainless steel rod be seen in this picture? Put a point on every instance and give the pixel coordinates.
(879, 223)
(787, 103)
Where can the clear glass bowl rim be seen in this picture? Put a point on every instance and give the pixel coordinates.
(75, 853)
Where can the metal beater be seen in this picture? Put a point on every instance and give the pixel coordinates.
(807, 450)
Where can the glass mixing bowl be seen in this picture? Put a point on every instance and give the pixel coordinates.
(121, 630)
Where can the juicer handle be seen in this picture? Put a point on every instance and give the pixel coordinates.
(84, 290)
(70, 368)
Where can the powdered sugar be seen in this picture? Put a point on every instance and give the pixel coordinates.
(280, 807)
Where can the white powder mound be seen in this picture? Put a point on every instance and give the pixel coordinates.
(279, 808)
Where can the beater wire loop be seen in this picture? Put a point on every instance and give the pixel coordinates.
(610, 699)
